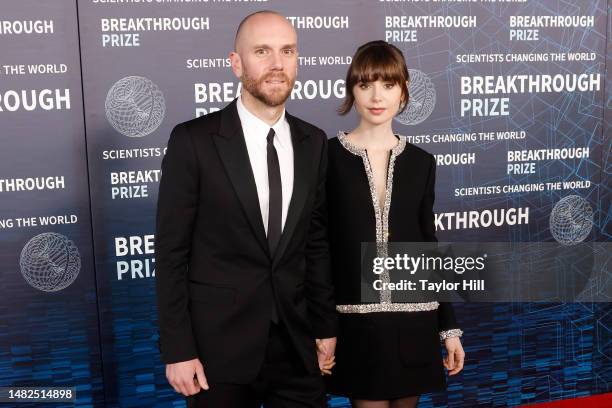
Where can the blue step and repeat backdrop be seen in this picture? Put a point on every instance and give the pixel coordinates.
(512, 97)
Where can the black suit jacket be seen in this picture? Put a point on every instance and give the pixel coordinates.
(215, 277)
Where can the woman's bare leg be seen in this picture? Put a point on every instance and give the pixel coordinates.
(407, 402)
(357, 403)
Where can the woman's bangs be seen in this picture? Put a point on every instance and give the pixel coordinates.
(378, 66)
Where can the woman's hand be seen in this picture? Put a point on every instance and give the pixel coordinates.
(326, 366)
(454, 355)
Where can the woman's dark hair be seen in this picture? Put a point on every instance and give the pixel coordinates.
(373, 61)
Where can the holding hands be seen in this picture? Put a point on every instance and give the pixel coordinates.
(326, 349)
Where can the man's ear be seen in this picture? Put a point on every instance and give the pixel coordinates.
(236, 62)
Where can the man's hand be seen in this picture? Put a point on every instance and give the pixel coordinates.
(455, 355)
(326, 349)
(181, 377)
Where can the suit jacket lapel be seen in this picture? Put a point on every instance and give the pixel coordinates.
(301, 167)
(233, 152)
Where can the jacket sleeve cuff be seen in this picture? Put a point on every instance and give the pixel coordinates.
(327, 330)
(177, 355)
(447, 334)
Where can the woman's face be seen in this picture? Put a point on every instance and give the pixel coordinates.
(377, 102)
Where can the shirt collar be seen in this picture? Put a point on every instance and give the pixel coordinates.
(256, 125)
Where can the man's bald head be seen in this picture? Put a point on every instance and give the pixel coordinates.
(265, 57)
(254, 18)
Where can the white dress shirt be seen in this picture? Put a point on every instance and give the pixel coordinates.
(255, 134)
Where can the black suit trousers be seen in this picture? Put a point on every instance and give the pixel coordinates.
(282, 382)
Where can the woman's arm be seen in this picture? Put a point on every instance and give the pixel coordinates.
(447, 324)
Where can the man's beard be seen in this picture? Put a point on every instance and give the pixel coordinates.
(273, 98)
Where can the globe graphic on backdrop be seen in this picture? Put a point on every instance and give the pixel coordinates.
(571, 220)
(422, 99)
(50, 262)
(135, 106)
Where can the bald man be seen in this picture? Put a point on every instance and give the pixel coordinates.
(244, 293)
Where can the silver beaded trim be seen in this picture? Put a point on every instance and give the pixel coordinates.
(382, 215)
(357, 151)
(388, 307)
(447, 334)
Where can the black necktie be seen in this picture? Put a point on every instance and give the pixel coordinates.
(275, 209)
(275, 212)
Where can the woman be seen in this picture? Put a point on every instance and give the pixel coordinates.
(380, 188)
